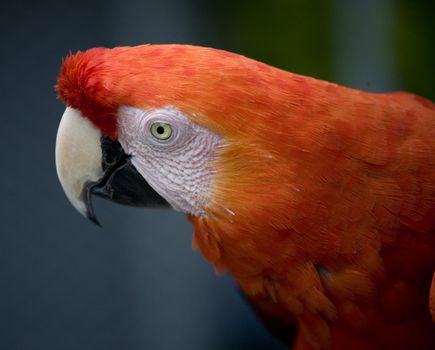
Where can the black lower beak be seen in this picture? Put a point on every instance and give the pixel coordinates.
(120, 183)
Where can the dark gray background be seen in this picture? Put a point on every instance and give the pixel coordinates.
(135, 284)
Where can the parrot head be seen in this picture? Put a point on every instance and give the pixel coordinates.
(173, 125)
(293, 185)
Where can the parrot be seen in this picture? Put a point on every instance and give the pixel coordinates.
(318, 199)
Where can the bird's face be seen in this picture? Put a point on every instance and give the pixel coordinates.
(173, 126)
(160, 158)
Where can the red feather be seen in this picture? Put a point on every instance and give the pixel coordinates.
(323, 206)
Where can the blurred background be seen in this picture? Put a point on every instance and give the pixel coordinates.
(136, 284)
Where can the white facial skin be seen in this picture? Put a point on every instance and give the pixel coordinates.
(178, 168)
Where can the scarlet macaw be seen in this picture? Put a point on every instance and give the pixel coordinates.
(319, 199)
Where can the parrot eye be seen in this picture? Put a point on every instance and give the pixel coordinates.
(161, 131)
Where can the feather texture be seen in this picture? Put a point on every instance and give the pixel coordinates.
(324, 197)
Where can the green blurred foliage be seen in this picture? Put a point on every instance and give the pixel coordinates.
(297, 35)
(415, 46)
(294, 35)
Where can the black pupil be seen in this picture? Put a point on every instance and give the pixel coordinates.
(160, 130)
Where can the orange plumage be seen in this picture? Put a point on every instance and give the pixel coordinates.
(323, 206)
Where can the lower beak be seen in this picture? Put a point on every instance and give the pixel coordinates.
(120, 183)
(89, 163)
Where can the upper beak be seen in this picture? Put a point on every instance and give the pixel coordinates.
(89, 163)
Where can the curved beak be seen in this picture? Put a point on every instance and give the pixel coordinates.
(89, 163)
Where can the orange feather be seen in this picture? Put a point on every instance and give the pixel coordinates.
(323, 205)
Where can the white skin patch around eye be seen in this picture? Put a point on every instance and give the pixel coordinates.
(179, 168)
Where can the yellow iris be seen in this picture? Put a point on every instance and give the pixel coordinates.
(161, 131)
